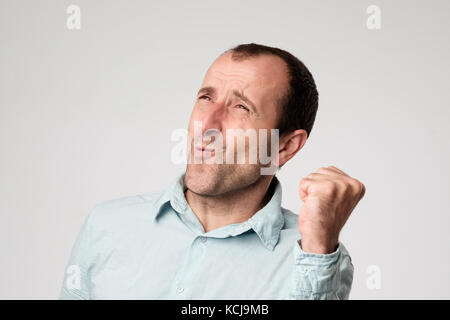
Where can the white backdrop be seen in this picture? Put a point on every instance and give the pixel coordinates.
(86, 115)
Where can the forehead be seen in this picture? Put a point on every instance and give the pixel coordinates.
(263, 76)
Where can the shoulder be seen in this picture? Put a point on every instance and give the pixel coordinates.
(123, 211)
(129, 201)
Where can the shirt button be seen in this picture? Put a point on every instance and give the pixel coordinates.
(303, 269)
(203, 239)
(180, 289)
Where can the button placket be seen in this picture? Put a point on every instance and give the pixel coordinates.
(183, 280)
(303, 269)
(180, 289)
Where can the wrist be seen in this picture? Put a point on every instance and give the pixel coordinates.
(318, 247)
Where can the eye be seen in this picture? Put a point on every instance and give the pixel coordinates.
(242, 107)
(205, 97)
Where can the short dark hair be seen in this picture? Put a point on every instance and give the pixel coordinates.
(300, 101)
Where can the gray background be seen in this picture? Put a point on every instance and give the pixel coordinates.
(86, 116)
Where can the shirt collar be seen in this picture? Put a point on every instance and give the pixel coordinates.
(267, 222)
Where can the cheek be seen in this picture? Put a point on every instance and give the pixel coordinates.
(197, 114)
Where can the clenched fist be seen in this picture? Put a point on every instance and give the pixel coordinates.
(329, 197)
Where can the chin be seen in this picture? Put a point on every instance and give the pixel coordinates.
(200, 179)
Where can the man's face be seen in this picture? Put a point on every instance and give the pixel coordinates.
(241, 94)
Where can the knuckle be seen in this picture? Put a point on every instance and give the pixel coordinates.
(329, 188)
(363, 189)
(344, 186)
(311, 175)
(322, 170)
(356, 185)
(303, 182)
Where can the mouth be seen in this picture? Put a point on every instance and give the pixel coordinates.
(204, 149)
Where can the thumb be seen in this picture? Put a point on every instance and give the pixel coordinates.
(303, 188)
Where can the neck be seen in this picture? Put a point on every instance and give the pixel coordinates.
(235, 206)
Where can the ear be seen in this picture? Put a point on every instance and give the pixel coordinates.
(290, 144)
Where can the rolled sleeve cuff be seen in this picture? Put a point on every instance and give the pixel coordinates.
(317, 275)
(315, 259)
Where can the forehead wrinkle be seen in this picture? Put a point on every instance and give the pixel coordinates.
(231, 76)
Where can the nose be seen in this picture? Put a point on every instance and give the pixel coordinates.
(212, 119)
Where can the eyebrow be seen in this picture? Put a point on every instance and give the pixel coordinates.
(206, 90)
(240, 95)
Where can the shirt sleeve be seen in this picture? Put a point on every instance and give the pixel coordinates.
(76, 283)
(321, 276)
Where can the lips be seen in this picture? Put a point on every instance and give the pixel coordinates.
(203, 149)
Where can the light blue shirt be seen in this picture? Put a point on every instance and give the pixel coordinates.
(152, 246)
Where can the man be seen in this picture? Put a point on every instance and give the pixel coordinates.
(219, 231)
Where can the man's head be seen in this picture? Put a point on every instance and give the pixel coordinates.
(251, 87)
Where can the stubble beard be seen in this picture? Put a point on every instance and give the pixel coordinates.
(220, 179)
